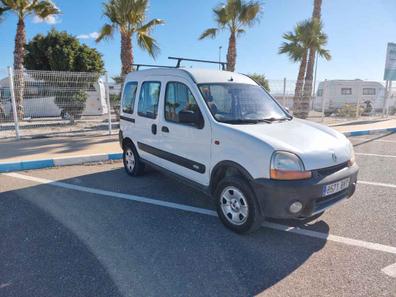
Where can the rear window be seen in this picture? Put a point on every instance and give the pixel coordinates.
(148, 100)
(128, 98)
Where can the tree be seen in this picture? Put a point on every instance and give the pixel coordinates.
(235, 15)
(316, 14)
(307, 34)
(296, 48)
(261, 80)
(59, 51)
(128, 17)
(23, 8)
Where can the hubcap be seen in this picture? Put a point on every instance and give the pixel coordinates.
(234, 205)
(129, 160)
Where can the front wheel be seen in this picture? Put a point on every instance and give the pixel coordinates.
(132, 164)
(237, 206)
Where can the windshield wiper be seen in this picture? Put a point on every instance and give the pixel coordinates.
(270, 120)
(241, 121)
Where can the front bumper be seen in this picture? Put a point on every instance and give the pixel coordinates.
(275, 196)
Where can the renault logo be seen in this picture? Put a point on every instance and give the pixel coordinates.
(334, 157)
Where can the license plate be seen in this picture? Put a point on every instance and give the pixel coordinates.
(336, 187)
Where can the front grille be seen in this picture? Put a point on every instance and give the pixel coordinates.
(332, 169)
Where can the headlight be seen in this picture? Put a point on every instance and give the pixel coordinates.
(352, 151)
(287, 166)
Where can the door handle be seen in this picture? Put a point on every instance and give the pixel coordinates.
(154, 129)
(165, 129)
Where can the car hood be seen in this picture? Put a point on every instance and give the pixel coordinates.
(317, 145)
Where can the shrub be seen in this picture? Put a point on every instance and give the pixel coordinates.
(72, 104)
(349, 111)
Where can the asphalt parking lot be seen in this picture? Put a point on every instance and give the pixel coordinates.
(94, 231)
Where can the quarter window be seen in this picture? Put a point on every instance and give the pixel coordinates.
(148, 101)
(178, 98)
(128, 99)
(346, 91)
(368, 91)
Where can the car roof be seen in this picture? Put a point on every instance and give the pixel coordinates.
(199, 76)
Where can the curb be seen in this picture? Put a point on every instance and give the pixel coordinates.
(47, 163)
(369, 132)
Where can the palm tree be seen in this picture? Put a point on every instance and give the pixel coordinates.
(296, 48)
(234, 16)
(128, 17)
(23, 8)
(307, 34)
(316, 14)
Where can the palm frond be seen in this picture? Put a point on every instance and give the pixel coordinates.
(150, 25)
(211, 33)
(148, 43)
(43, 8)
(250, 13)
(106, 32)
(240, 32)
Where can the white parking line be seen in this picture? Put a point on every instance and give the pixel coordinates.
(295, 230)
(375, 155)
(376, 184)
(390, 270)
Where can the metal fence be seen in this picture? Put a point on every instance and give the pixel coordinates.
(51, 103)
(337, 101)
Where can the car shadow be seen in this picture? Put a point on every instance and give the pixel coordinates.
(59, 239)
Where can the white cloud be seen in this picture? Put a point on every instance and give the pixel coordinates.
(51, 20)
(92, 35)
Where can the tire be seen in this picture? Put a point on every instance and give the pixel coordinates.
(132, 164)
(230, 195)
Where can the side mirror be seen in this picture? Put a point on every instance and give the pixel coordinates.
(191, 117)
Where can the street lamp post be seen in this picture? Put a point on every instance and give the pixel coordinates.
(220, 47)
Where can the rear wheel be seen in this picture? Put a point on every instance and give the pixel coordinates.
(132, 164)
(237, 206)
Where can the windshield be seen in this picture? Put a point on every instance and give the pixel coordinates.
(241, 103)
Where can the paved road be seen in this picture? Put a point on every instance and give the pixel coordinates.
(93, 232)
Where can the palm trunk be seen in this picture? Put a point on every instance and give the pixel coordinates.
(299, 86)
(317, 11)
(308, 84)
(316, 14)
(19, 53)
(231, 53)
(126, 54)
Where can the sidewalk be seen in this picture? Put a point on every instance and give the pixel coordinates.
(58, 151)
(57, 147)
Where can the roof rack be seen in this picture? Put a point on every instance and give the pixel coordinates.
(148, 65)
(179, 60)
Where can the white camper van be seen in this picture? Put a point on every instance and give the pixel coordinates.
(334, 94)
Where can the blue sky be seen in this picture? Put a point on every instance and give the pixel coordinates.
(358, 32)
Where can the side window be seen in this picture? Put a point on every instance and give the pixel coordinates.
(128, 98)
(178, 98)
(148, 100)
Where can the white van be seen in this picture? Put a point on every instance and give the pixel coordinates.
(222, 133)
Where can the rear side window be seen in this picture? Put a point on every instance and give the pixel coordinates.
(148, 100)
(128, 98)
(178, 98)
